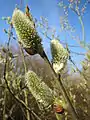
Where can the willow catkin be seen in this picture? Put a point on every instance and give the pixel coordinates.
(42, 93)
(26, 32)
(59, 55)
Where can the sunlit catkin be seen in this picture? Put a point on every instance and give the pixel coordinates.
(59, 55)
(42, 93)
(26, 32)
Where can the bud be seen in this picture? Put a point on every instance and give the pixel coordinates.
(26, 32)
(42, 93)
(59, 55)
(28, 14)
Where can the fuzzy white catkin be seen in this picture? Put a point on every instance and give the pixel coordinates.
(59, 55)
(42, 93)
(26, 32)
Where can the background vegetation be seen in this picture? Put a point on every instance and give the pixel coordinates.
(17, 102)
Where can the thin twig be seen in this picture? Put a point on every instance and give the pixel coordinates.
(23, 58)
(25, 92)
(4, 106)
(77, 53)
(10, 112)
(21, 3)
(60, 41)
(81, 21)
(9, 38)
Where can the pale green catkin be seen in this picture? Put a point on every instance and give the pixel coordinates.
(26, 32)
(42, 93)
(59, 55)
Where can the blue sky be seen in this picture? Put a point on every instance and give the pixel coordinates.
(50, 10)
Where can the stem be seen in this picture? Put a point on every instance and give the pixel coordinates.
(23, 58)
(83, 30)
(7, 68)
(25, 92)
(26, 102)
(81, 22)
(4, 107)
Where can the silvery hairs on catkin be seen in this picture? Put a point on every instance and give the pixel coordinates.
(42, 93)
(26, 32)
(59, 55)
